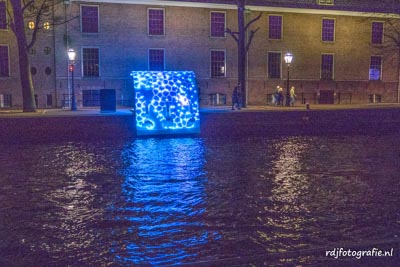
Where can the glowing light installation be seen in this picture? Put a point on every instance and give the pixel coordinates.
(166, 102)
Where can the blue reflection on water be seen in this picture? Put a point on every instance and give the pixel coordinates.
(164, 201)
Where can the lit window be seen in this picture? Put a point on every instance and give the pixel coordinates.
(156, 59)
(275, 27)
(326, 2)
(3, 15)
(156, 21)
(274, 65)
(5, 100)
(4, 62)
(31, 25)
(46, 25)
(328, 30)
(377, 32)
(217, 24)
(375, 68)
(217, 63)
(327, 67)
(90, 19)
(90, 57)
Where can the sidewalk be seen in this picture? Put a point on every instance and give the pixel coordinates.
(125, 111)
(15, 113)
(301, 107)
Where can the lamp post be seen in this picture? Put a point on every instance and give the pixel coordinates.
(71, 57)
(288, 61)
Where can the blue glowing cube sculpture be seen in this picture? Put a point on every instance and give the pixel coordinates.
(166, 102)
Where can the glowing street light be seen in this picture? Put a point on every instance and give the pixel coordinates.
(71, 57)
(288, 61)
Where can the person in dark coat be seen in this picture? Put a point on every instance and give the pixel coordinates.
(236, 97)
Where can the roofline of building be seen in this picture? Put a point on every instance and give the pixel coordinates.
(248, 7)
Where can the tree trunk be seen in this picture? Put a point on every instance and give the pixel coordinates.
(28, 99)
(242, 52)
(398, 75)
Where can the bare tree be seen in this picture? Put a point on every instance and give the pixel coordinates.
(390, 47)
(19, 12)
(243, 45)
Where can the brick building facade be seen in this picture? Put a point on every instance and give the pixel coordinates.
(335, 45)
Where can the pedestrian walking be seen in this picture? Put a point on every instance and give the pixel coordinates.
(240, 97)
(235, 97)
(276, 96)
(292, 96)
(281, 97)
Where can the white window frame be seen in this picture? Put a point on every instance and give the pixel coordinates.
(380, 71)
(148, 57)
(98, 18)
(383, 32)
(326, 2)
(9, 62)
(215, 11)
(148, 20)
(280, 64)
(217, 77)
(82, 67)
(276, 15)
(333, 66)
(334, 29)
(7, 27)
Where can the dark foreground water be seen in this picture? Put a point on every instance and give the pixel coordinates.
(199, 201)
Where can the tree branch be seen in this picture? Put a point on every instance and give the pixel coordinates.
(37, 22)
(252, 21)
(233, 34)
(25, 6)
(252, 33)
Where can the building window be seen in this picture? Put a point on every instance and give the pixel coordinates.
(46, 25)
(47, 50)
(325, 2)
(3, 15)
(90, 19)
(33, 70)
(4, 62)
(375, 68)
(217, 63)
(217, 24)
(156, 21)
(328, 30)
(275, 27)
(274, 65)
(377, 33)
(327, 67)
(5, 100)
(156, 59)
(90, 59)
(49, 100)
(31, 25)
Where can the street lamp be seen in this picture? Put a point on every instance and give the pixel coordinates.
(71, 57)
(288, 61)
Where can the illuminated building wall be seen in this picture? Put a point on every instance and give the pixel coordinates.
(166, 102)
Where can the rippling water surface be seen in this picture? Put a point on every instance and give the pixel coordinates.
(167, 201)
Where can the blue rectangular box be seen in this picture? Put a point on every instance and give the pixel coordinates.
(166, 102)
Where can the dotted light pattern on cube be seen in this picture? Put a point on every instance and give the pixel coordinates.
(166, 100)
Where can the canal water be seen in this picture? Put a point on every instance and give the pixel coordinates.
(220, 201)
